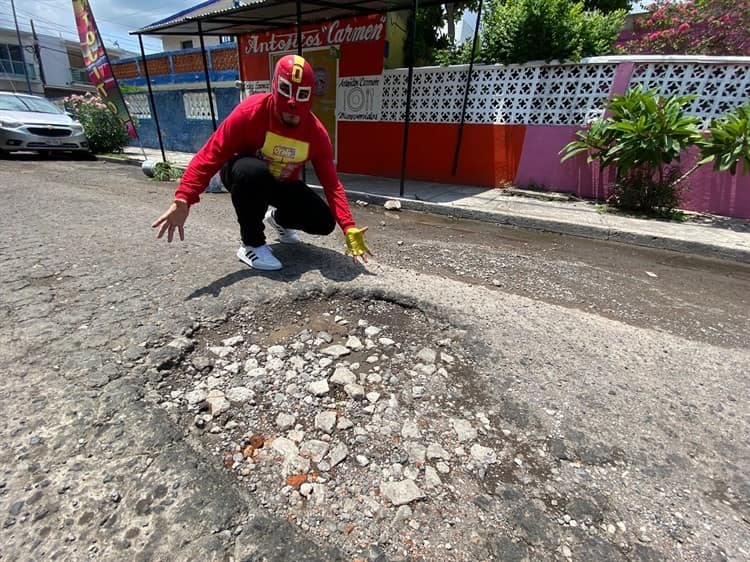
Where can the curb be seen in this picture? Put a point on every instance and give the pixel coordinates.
(604, 233)
(115, 160)
(571, 229)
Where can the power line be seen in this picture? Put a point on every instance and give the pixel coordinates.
(48, 29)
(47, 26)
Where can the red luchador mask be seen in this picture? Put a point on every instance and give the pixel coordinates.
(292, 86)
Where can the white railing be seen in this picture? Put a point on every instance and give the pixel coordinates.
(138, 105)
(197, 105)
(539, 93)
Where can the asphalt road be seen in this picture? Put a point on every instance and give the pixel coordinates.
(640, 355)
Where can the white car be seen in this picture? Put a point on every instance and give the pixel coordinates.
(34, 123)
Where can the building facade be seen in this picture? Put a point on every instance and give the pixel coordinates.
(54, 65)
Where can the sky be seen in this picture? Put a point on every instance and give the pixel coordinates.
(115, 18)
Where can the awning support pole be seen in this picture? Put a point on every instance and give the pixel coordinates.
(299, 52)
(151, 98)
(466, 92)
(207, 75)
(409, 81)
(299, 27)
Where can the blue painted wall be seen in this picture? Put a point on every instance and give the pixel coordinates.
(178, 132)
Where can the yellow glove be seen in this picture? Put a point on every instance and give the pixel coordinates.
(355, 243)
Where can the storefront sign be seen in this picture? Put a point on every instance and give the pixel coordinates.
(359, 98)
(354, 30)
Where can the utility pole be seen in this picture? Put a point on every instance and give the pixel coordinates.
(20, 47)
(38, 54)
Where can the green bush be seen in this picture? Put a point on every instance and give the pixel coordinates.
(103, 128)
(643, 136)
(164, 171)
(729, 143)
(518, 31)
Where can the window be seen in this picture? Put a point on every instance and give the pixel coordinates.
(15, 53)
(186, 44)
(196, 105)
(12, 63)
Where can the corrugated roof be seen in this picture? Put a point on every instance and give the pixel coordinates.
(265, 15)
(184, 13)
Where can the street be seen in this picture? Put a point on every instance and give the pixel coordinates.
(474, 393)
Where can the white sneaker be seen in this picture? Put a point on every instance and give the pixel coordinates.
(258, 258)
(286, 235)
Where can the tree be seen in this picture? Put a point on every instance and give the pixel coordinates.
(693, 27)
(518, 31)
(607, 6)
(429, 39)
(453, 12)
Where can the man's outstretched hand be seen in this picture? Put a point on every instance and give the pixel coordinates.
(355, 244)
(174, 218)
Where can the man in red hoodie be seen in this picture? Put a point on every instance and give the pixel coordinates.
(260, 149)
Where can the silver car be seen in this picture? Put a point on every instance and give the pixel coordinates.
(34, 123)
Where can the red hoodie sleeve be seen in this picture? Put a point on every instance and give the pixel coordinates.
(236, 135)
(325, 169)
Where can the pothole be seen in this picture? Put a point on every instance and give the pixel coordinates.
(364, 422)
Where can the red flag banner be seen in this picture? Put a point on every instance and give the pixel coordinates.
(97, 64)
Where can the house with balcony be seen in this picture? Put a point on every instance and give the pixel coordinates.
(54, 65)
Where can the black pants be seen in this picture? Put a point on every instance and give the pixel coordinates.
(253, 189)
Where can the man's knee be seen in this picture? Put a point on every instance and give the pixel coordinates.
(325, 225)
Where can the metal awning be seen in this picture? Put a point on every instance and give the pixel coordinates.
(265, 15)
(257, 16)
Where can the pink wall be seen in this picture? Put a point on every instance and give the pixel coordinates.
(718, 193)
(712, 192)
(540, 164)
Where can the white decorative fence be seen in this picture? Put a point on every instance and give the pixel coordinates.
(197, 105)
(719, 87)
(138, 105)
(530, 94)
(538, 93)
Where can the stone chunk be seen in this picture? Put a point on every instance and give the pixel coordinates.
(325, 421)
(355, 391)
(336, 351)
(217, 402)
(182, 343)
(285, 421)
(483, 455)
(427, 355)
(195, 397)
(240, 394)
(410, 430)
(314, 449)
(285, 446)
(231, 342)
(338, 454)
(436, 451)
(343, 376)
(401, 493)
(318, 388)
(464, 430)
(354, 343)
(221, 351)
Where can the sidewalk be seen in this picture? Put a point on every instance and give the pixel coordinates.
(711, 236)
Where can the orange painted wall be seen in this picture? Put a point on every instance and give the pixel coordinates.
(489, 153)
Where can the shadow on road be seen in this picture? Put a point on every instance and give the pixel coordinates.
(297, 260)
